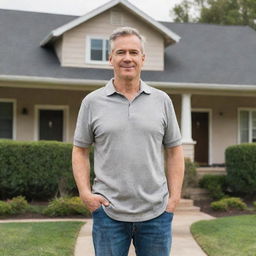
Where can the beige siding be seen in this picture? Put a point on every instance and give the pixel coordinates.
(58, 49)
(74, 41)
(29, 98)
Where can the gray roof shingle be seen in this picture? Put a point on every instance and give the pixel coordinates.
(205, 54)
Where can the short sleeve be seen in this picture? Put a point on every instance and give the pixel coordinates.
(83, 136)
(172, 136)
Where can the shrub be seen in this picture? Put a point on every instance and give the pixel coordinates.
(190, 177)
(19, 205)
(227, 204)
(241, 169)
(34, 169)
(215, 184)
(254, 205)
(5, 208)
(219, 206)
(66, 206)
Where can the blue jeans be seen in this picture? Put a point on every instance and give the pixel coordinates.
(113, 238)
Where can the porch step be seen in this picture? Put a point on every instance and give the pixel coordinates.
(198, 193)
(187, 205)
(201, 171)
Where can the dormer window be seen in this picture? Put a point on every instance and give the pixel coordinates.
(97, 50)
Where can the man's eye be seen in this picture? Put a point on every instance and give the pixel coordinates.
(120, 52)
(134, 53)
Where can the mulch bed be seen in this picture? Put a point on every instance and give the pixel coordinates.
(205, 207)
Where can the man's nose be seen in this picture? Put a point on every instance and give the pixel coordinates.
(127, 56)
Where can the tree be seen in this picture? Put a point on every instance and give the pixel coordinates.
(182, 11)
(226, 12)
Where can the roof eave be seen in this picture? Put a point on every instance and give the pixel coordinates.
(93, 82)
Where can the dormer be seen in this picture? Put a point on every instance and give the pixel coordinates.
(83, 42)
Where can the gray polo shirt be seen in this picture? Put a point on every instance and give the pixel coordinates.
(128, 138)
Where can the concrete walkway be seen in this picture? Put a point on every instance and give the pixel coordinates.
(183, 242)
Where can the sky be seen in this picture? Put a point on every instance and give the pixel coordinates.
(157, 9)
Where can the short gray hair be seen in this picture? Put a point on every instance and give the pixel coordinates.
(125, 31)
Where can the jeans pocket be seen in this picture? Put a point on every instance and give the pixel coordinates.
(97, 210)
(171, 213)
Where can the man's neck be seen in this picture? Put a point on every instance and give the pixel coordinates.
(127, 86)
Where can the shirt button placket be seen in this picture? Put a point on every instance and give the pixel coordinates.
(129, 106)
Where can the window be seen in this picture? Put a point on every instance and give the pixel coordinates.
(98, 50)
(247, 126)
(6, 120)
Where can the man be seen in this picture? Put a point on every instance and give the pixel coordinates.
(129, 123)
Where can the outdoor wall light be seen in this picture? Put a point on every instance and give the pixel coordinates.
(24, 111)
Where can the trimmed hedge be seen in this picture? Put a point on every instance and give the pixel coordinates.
(241, 169)
(35, 169)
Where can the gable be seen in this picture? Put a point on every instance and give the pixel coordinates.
(169, 36)
(75, 42)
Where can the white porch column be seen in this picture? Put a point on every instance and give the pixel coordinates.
(186, 126)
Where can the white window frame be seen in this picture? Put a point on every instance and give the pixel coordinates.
(14, 102)
(88, 49)
(65, 127)
(250, 123)
(209, 111)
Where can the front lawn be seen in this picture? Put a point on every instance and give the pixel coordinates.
(229, 236)
(38, 238)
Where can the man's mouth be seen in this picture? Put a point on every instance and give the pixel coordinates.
(129, 67)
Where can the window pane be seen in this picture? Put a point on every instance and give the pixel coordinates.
(253, 126)
(254, 135)
(253, 119)
(106, 53)
(96, 49)
(244, 126)
(6, 120)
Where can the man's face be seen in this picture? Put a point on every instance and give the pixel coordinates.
(127, 57)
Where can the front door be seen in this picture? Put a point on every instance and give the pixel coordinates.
(200, 133)
(51, 125)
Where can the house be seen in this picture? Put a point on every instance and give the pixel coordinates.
(49, 62)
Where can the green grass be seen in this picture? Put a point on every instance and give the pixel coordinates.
(228, 236)
(38, 238)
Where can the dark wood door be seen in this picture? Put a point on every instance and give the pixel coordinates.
(200, 133)
(51, 125)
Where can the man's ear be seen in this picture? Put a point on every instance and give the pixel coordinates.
(110, 59)
(143, 58)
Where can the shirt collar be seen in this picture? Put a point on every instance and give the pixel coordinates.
(110, 88)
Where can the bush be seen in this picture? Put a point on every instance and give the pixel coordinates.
(254, 205)
(5, 208)
(34, 169)
(190, 177)
(241, 169)
(16, 205)
(65, 207)
(19, 205)
(215, 184)
(227, 204)
(219, 206)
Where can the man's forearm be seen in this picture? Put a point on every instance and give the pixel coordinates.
(81, 169)
(175, 171)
